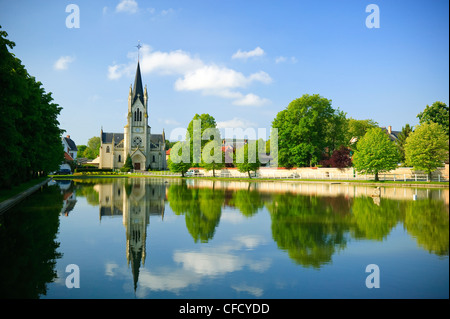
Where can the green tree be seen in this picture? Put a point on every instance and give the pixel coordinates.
(247, 159)
(438, 113)
(206, 131)
(401, 141)
(375, 153)
(179, 162)
(81, 150)
(128, 165)
(427, 147)
(28, 122)
(304, 129)
(212, 157)
(356, 129)
(93, 148)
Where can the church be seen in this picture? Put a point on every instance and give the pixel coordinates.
(147, 150)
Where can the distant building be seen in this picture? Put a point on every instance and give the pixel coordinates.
(70, 148)
(147, 150)
(393, 135)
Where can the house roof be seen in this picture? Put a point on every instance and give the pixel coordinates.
(393, 135)
(67, 157)
(70, 143)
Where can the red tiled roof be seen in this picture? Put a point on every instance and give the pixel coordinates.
(67, 157)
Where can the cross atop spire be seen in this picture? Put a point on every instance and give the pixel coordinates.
(139, 46)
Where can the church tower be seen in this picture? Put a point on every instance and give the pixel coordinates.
(147, 150)
(137, 132)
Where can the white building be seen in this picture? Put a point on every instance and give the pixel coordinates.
(70, 147)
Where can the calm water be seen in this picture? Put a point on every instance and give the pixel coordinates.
(156, 238)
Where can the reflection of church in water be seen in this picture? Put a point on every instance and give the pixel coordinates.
(135, 200)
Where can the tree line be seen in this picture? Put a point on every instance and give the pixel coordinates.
(313, 133)
(30, 137)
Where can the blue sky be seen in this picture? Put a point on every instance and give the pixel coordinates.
(240, 61)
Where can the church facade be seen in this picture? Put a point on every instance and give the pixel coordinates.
(147, 150)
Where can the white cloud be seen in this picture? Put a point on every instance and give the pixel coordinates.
(282, 59)
(195, 75)
(248, 54)
(235, 123)
(63, 62)
(129, 6)
(212, 77)
(251, 100)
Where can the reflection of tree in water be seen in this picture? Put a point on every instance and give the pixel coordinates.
(309, 228)
(202, 208)
(428, 222)
(28, 245)
(375, 221)
(247, 201)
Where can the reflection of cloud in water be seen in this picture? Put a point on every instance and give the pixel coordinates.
(233, 217)
(196, 265)
(212, 261)
(255, 291)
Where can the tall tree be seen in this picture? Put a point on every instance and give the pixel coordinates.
(93, 148)
(201, 127)
(427, 147)
(247, 158)
(375, 153)
(212, 157)
(180, 158)
(31, 137)
(356, 129)
(401, 141)
(303, 130)
(438, 112)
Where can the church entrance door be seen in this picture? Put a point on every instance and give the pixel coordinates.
(137, 166)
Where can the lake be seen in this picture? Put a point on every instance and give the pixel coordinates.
(171, 238)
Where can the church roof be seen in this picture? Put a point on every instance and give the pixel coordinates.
(107, 138)
(138, 91)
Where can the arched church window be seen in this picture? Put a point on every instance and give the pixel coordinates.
(140, 116)
(120, 158)
(107, 149)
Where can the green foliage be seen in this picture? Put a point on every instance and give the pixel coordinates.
(375, 153)
(92, 150)
(306, 128)
(247, 158)
(438, 113)
(179, 166)
(427, 147)
(212, 157)
(31, 138)
(401, 141)
(206, 132)
(357, 129)
(128, 165)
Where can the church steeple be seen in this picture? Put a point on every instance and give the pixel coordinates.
(138, 91)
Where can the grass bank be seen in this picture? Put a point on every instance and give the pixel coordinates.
(9, 193)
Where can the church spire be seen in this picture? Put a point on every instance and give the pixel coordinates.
(138, 91)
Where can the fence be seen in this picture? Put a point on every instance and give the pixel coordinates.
(286, 174)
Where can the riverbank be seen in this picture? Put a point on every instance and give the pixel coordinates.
(284, 180)
(12, 197)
